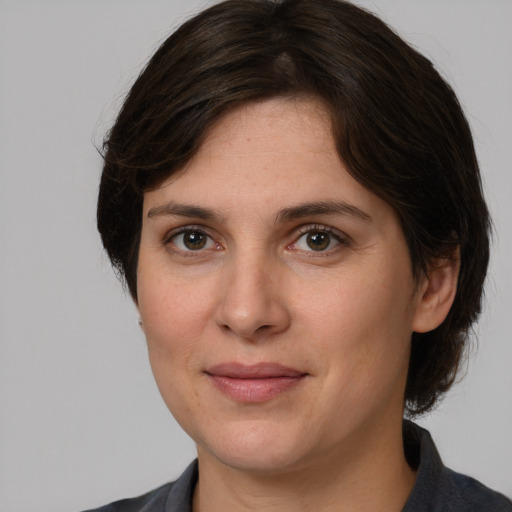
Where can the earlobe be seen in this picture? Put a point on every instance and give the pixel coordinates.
(437, 293)
(139, 320)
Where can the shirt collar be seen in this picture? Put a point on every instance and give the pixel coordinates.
(422, 455)
(180, 496)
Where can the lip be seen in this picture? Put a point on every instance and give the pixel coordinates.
(254, 383)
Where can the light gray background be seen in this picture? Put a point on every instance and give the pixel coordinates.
(81, 419)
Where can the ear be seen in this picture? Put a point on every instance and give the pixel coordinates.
(436, 293)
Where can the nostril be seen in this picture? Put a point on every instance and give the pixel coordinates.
(263, 328)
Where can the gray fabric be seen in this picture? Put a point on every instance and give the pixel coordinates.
(437, 488)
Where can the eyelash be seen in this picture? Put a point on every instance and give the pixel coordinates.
(168, 241)
(340, 238)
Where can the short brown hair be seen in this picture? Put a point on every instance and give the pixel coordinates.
(398, 126)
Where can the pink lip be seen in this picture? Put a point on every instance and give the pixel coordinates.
(254, 383)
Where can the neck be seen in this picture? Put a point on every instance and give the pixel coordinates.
(378, 480)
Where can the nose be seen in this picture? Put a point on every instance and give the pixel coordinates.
(252, 301)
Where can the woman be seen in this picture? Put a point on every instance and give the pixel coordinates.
(291, 194)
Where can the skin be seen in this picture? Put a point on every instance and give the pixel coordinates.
(255, 288)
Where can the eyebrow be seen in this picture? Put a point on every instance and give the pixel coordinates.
(183, 210)
(285, 215)
(321, 208)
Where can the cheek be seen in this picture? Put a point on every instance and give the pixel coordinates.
(175, 313)
(362, 322)
(175, 317)
(361, 300)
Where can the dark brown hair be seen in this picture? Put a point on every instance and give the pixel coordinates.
(398, 126)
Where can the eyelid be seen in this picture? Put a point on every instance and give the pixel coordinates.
(339, 236)
(182, 229)
(342, 238)
(169, 235)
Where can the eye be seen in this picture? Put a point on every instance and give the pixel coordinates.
(192, 240)
(318, 239)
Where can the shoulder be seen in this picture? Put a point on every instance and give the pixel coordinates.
(150, 501)
(439, 489)
(462, 492)
(172, 497)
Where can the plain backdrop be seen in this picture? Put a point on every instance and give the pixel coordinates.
(81, 420)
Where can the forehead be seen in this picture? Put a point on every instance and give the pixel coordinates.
(266, 157)
(294, 118)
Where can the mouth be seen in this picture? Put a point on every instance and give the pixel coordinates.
(254, 383)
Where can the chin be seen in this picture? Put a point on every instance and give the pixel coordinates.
(255, 448)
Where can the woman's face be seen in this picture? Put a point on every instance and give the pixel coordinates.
(276, 294)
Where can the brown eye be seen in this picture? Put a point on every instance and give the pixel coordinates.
(318, 241)
(192, 240)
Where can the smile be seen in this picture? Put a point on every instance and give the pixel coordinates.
(255, 383)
